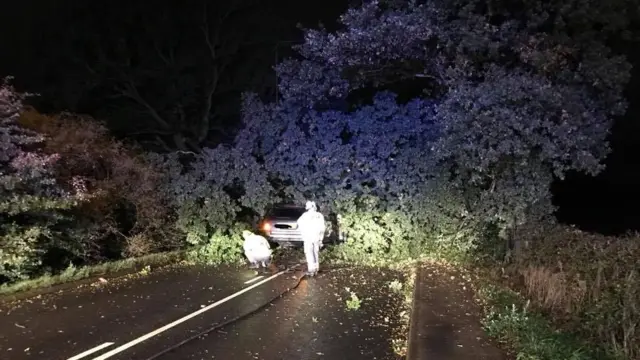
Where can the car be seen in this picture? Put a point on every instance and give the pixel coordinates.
(280, 225)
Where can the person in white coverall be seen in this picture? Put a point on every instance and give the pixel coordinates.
(256, 249)
(312, 228)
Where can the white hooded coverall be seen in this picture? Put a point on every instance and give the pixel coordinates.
(256, 249)
(312, 228)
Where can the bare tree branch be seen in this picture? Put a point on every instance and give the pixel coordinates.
(217, 67)
(168, 59)
(154, 132)
(129, 90)
(162, 143)
(156, 71)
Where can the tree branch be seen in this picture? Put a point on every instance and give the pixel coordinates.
(217, 68)
(154, 132)
(169, 59)
(162, 144)
(130, 91)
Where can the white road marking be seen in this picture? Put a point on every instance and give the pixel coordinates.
(254, 279)
(142, 338)
(91, 351)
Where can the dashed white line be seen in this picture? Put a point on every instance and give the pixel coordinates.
(254, 279)
(91, 351)
(142, 338)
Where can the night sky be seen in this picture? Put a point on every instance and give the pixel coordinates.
(50, 48)
(609, 202)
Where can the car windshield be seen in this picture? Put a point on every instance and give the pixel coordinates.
(289, 213)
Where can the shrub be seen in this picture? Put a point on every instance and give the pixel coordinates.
(589, 282)
(126, 215)
(529, 334)
(34, 203)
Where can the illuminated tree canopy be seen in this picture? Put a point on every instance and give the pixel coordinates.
(514, 96)
(510, 97)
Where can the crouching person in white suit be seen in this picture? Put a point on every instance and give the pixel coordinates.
(256, 249)
(312, 228)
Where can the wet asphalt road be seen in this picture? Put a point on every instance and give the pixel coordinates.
(58, 326)
(311, 322)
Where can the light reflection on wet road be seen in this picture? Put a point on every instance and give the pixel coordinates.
(310, 322)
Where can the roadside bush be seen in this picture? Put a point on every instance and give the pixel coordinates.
(35, 204)
(528, 333)
(126, 215)
(588, 282)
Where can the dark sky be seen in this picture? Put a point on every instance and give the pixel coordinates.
(35, 45)
(610, 202)
(33, 28)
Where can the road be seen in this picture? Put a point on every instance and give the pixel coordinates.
(143, 316)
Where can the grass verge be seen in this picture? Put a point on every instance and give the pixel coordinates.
(584, 284)
(72, 273)
(526, 332)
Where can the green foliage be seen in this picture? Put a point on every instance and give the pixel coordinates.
(512, 101)
(21, 251)
(532, 337)
(71, 193)
(433, 183)
(395, 286)
(33, 203)
(221, 247)
(124, 215)
(588, 282)
(216, 194)
(519, 94)
(432, 223)
(353, 302)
